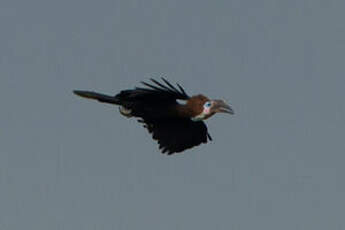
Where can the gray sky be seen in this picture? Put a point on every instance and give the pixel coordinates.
(69, 163)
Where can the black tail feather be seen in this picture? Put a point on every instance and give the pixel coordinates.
(97, 96)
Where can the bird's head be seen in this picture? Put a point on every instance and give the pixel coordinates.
(203, 107)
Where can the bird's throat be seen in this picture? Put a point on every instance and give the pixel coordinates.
(199, 117)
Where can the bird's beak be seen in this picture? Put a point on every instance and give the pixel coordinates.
(219, 106)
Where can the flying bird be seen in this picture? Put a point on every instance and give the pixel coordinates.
(176, 126)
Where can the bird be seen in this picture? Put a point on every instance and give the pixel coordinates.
(173, 118)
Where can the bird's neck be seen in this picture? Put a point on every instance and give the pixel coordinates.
(185, 111)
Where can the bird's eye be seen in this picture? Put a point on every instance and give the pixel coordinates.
(207, 104)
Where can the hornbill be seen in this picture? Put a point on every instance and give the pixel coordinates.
(176, 126)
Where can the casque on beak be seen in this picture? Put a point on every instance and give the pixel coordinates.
(219, 106)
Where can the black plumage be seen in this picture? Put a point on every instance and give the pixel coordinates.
(156, 106)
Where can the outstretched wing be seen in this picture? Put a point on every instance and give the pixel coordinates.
(154, 101)
(177, 135)
(155, 93)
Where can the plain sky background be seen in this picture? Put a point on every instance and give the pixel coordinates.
(70, 163)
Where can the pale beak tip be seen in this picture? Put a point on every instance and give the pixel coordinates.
(228, 110)
(231, 111)
(223, 107)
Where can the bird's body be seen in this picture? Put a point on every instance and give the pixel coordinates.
(175, 126)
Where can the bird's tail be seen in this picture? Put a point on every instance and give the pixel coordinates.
(97, 96)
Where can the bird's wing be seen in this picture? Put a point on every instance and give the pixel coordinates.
(177, 135)
(155, 93)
